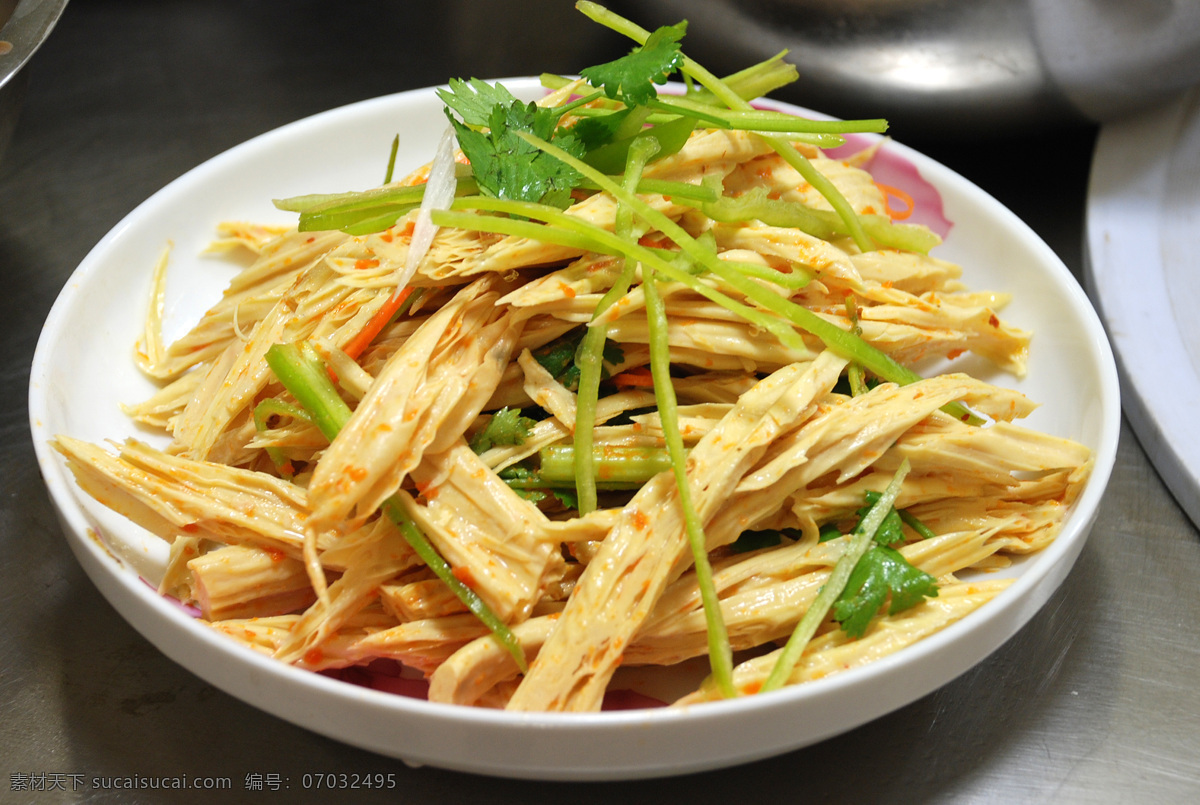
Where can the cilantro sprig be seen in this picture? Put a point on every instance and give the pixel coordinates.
(507, 166)
(881, 574)
(632, 77)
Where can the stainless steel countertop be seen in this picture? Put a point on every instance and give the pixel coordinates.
(1096, 700)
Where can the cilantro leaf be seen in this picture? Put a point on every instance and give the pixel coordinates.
(828, 531)
(600, 130)
(506, 166)
(879, 573)
(527, 483)
(766, 538)
(534, 496)
(475, 99)
(566, 497)
(518, 474)
(891, 531)
(671, 136)
(633, 76)
(506, 427)
(558, 357)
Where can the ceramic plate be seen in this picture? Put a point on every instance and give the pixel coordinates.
(1143, 217)
(77, 383)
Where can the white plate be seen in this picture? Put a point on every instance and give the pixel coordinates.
(82, 370)
(1143, 241)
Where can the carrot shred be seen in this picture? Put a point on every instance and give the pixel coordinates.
(634, 378)
(890, 193)
(382, 316)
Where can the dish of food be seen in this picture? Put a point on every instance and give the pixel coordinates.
(1142, 214)
(237, 426)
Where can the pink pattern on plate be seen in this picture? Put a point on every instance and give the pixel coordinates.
(192, 611)
(626, 699)
(890, 169)
(386, 675)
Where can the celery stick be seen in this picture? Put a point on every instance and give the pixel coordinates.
(860, 541)
(355, 199)
(671, 136)
(262, 414)
(854, 371)
(272, 407)
(720, 654)
(590, 358)
(362, 211)
(394, 510)
(825, 187)
(824, 224)
(605, 242)
(765, 119)
(906, 237)
(614, 466)
(509, 226)
(553, 81)
(753, 81)
(355, 225)
(391, 165)
(304, 375)
(665, 187)
(672, 189)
